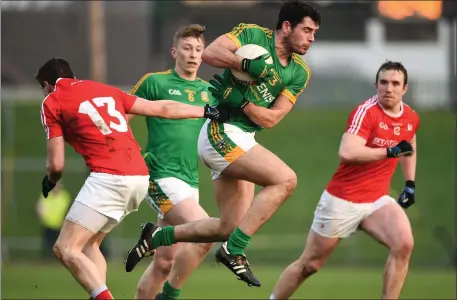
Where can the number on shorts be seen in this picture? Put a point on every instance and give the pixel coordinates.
(89, 109)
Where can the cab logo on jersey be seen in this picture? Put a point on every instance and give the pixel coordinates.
(383, 126)
(174, 92)
(384, 142)
(205, 97)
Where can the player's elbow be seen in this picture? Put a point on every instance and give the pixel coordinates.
(269, 124)
(346, 155)
(208, 55)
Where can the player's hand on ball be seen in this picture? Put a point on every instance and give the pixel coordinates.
(401, 149)
(46, 186)
(224, 91)
(257, 67)
(406, 198)
(220, 113)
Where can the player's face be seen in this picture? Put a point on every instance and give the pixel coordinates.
(301, 38)
(188, 54)
(391, 87)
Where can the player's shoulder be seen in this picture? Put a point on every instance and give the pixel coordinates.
(410, 111)
(155, 76)
(151, 78)
(303, 67)
(253, 28)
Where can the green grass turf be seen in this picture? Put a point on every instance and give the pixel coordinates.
(33, 281)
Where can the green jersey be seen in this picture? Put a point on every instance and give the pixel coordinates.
(171, 149)
(295, 75)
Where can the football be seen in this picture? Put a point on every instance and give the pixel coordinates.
(249, 51)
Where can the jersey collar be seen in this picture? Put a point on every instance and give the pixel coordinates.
(397, 115)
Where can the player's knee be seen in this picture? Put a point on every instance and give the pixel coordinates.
(62, 252)
(163, 267)
(404, 247)
(310, 267)
(290, 182)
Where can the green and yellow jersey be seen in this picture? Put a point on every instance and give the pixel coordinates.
(295, 75)
(171, 149)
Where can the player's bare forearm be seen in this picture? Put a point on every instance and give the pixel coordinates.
(175, 110)
(55, 158)
(268, 117)
(262, 116)
(408, 164)
(353, 150)
(167, 109)
(220, 54)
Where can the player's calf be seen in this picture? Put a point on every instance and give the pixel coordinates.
(156, 274)
(317, 251)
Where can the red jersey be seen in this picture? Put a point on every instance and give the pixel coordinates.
(362, 183)
(91, 118)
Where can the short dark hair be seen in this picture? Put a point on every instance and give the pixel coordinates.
(193, 30)
(393, 65)
(294, 11)
(53, 69)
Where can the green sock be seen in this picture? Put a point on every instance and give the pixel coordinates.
(164, 237)
(237, 242)
(169, 292)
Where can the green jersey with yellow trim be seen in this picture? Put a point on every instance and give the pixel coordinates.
(171, 150)
(295, 75)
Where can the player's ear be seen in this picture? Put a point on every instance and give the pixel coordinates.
(173, 52)
(405, 89)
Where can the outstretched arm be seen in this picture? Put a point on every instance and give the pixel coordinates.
(167, 109)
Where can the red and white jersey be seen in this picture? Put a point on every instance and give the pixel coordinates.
(91, 118)
(362, 183)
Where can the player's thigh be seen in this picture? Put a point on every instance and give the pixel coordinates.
(186, 211)
(164, 195)
(337, 218)
(233, 197)
(73, 237)
(260, 166)
(388, 224)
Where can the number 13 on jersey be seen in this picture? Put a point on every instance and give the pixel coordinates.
(89, 109)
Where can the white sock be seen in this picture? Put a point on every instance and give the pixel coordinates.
(98, 291)
(272, 297)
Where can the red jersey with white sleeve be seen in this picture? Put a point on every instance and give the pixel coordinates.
(91, 118)
(365, 183)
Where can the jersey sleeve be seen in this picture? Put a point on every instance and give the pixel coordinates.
(145, 88)
(300, 81)
(50, 118)
(127, 100)
(360, 122)
(244, 34)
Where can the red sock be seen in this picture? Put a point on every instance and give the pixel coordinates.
(105, 295)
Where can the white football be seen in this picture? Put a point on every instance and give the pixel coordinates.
(249, 51)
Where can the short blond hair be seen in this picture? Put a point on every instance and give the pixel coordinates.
(193, 30)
